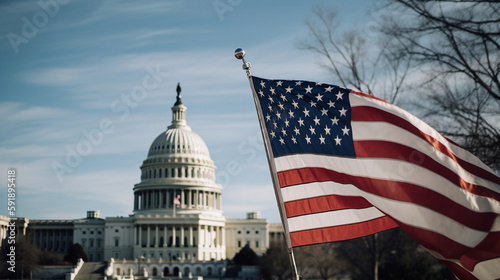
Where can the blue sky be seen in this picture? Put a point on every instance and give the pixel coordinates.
(108, 69)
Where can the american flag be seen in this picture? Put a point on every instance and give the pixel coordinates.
(350, 165)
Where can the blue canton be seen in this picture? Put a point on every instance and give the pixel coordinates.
(305, 117)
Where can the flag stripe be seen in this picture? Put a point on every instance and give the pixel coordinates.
(306, 181)
(344, 232)
(367, 110)
(390, 170)
(323, 204)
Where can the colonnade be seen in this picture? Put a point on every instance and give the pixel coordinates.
(164, 199)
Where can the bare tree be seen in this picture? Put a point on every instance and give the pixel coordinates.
(455, 46)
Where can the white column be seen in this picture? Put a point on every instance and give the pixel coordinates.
(140, 236)
(182, 237)
(173, 235)
(156, 236)
(148, 241)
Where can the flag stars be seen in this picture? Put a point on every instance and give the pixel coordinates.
(283, 97)
(288, 89)
(268, 117)
(279, 83)
(301, 122)
(278, 115)
(313, 104)
(282, 107)
(271, 89)
(322, 139)
(298, 83)
(306, 112)
(275, 125)
(318, 84)
(287, 123)
(297, 131)
(291, 113)
(261, 93)
(345, 130)
(324, 112)
(316, 120)
(294, 140)
(328, 89)
(343, 112)
(283, 131)
(282, 141)
(270, 99)
(319, 97)
(308, 140)
(312, 130)
(331, 104)
(308, 89)
(295, 104)
(337, 140)
(335, 121)
(339, 95)
(327, 130)
(262, 84)
(299, 96)
(273, 134)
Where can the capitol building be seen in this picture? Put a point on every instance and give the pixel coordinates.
(177, 227)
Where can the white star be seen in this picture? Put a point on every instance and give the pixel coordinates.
(281, 106)
(288, 89)
(337, 140)
(290, 112)
(262, 84)
(298, 83)
(318, 84)
(308, 140)
(321, 139)
(282, 141)
(283, 131)
(313, 104)
(312, 130)
(283, 97)
(295, 104)
(328, 89)
(261, 93)
(339, 95)
(308, 89)
(279, 83)
(335, 121)
(327, 130)
(278, 115)
(324, 112)
(319, 97)
(275, 125)
(287, 123)
(316, 120)
(270, 108)
(272, 91)
(297, 131)
(272, 134)
(301, 122)
(270, 99)
(331, 104)
(342, 112)
(299, 96)
(294, 140)
(268, 118)
(306, 113)
(345, 130)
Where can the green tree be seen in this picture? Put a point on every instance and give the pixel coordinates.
(246, 256)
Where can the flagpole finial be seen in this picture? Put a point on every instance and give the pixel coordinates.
(239, 53)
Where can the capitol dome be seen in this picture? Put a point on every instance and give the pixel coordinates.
(178, 170)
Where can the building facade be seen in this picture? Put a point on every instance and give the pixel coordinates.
(177, 215)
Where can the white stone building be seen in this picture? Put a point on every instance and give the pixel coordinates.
(177, 224)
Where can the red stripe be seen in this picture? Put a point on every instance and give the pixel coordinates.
(324, 204)
(345, 232)
(399, 191)
(366, 113)
(458, 271)
(384, 149)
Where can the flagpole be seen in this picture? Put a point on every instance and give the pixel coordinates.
(240, 54)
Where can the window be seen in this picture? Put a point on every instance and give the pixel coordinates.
(239, 243)
(91, 243)
(256, 244)
(84, 232)
(117, 242)
(248, 232)
(239, 231)
(91, 232)
(117, 230)
(256, 232)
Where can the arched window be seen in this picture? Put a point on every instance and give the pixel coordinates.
(166, 272)
(176, 271)
(118, 271)
(209, 271)
(186, 272)
(198, 271)
(155, 271)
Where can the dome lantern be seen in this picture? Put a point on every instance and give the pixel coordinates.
(179, 112)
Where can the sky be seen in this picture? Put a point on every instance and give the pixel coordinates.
(86, 86)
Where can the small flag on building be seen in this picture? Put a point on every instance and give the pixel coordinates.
(177, 201)
(347, 165)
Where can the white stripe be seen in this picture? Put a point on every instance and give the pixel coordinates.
(333, 218)
(488, 269)
(408, 213)
(316, 189)
(357, 100)
(391, 133)
(393, 170)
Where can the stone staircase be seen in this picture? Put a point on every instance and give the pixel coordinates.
(91, 271)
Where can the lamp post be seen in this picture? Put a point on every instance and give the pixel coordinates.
(139, 270)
